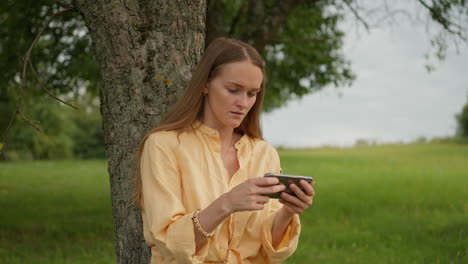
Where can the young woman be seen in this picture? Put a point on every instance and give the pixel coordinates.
(200, 185)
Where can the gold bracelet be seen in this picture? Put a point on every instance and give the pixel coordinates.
(196, 221)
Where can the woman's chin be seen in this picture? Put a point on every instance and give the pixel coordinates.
(235, 123)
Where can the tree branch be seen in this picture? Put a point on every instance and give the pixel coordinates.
(59, 3)
(17, 111)
(446, 23)
(38, 36)
(43, 87)
(277, 41)
(27, 120)
(26, 60)
(356, 14)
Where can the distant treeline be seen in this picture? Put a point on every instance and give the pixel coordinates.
(457, 139)
(66, 133)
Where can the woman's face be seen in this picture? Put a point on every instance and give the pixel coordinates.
(231, 94)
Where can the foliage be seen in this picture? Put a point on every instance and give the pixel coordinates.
(449, 140)
(28, 143)
(65, 132)
(462, 119)
(64, 63)
(88, 137)
(62, 57)
(303, 55)
(308, 59)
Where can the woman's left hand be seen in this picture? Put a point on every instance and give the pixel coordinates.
(303, 199)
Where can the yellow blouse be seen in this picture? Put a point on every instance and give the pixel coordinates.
(181, 175)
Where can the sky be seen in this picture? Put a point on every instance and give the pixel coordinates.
(393, 99)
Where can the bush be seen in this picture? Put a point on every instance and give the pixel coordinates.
(462, 120)
(65, 132)
(88, 137)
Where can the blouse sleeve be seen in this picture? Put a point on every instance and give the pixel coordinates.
(171, 230)
(288, 244)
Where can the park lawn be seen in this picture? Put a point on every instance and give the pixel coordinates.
(55, 212)
(384, 204)
(377, 204)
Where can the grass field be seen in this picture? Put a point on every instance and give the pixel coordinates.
(381, 204)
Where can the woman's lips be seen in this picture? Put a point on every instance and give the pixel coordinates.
(239, 114)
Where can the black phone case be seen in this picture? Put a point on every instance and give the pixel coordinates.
(287, 179)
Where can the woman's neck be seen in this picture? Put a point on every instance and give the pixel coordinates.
(227, 136)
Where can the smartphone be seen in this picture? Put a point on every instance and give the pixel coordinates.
(287, 179)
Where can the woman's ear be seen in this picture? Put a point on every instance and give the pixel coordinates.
(205, 90)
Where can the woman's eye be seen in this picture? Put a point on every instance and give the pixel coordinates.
(252, 94)
(232, 90)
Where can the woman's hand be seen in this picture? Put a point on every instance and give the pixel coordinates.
(302, 201)
(250, 195)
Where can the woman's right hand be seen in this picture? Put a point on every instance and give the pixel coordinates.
(250, 195)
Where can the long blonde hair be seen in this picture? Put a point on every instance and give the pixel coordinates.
(190, 105)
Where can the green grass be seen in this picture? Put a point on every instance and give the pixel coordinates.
(379, 204)
(386, 204)
(55, 212)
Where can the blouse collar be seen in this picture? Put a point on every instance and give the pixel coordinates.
(213, 133)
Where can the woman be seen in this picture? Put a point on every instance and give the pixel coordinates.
(201, 189)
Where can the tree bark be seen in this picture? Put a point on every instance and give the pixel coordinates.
(135, 41)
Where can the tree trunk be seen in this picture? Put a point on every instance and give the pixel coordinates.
(134, 42)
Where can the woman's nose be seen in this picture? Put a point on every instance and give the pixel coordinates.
(242, 100)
